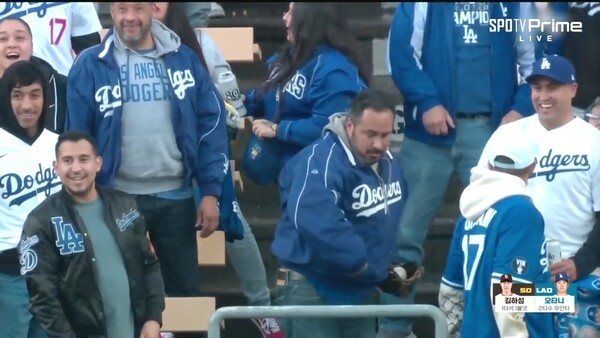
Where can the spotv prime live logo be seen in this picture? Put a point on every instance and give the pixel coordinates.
(535, 29)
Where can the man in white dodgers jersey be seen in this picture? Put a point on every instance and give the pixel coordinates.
(565, 185)
(58, 29)
(498, 215)
(26, 179)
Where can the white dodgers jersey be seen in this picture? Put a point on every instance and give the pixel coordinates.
(52, 26)
(27, 177)
(565, 185)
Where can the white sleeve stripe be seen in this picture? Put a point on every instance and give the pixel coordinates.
(452, 284)
(515, 279)
(303, 186)
(327, 163)
(416, 40)
(218, 118)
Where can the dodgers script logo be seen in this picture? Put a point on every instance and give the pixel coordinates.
(181, 80)
(127, 219)
(372, 200)
(28, 257)
(23, 188)
(108, 98)
(552, 164)
(20, 9)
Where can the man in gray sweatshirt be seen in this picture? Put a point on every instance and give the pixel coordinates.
(160, 125)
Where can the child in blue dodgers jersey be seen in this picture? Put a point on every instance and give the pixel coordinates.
(317, 73)
(341, 198)
(500, 229)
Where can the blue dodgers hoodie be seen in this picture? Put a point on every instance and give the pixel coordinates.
(323, 86)
(95, 105)
(422, 64)
(339, 217)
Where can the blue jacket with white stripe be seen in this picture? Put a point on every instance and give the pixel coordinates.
(339, 219)
(95, 105)
(421, 61)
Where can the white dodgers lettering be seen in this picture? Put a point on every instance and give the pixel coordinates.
(296, 86)
(109, 98)
(181, 80)
(371, 200)
(28, 257)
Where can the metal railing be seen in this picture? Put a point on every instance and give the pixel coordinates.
(334, 311)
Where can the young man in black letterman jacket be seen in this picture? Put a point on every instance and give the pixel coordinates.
(90, 270)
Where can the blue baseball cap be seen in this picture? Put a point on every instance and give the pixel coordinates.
(561, 276)
(554, 67)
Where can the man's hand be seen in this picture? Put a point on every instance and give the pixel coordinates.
(511, 116)
(208, 216)
(437, 120)
(151, 329)
(264, 128)
(566, 266)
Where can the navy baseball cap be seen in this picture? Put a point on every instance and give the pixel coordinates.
(554, 67)
(561, 276)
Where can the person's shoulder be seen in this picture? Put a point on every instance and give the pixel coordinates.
(92, 54)
(328, 58)
(52, 206)
(116, 195)
(522, 206)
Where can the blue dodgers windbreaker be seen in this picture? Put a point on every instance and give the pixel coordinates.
(421, 61)
(337, 216)
(323, 86)
(95, 106)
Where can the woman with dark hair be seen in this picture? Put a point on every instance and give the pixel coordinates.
(316, 74)
(243, 254)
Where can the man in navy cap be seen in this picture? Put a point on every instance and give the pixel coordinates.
(565, 185)
(561, 281)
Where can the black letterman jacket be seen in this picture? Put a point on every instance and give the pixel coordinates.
(57, 260)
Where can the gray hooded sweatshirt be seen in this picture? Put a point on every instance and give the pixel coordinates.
(151, 161)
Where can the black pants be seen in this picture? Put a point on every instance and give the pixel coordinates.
(171, 225)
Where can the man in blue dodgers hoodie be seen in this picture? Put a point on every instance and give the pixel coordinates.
(501, 232)
(341, 198)
(459, 80)
(159, 123)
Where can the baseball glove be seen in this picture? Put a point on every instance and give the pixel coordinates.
(401, 279)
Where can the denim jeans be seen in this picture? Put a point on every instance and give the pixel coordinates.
(15, 319)
(249, 267)
(171, 225)
(428, 170)
(300, 292)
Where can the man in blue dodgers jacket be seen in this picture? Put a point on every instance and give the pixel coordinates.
(159, 123)
(501, 232)
(341, 198)
(460, 79)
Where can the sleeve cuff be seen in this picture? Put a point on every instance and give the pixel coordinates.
(283, 129)
(211, 189)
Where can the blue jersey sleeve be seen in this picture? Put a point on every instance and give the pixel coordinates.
(453, 273)
(520, 245)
